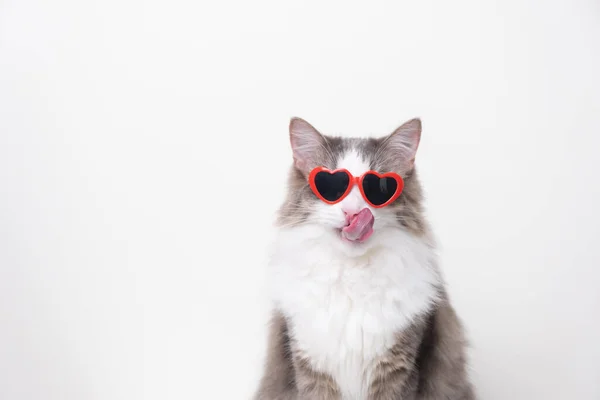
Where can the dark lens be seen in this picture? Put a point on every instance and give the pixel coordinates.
(332, 186)
(378, 190)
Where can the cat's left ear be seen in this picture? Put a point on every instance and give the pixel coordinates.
(401, 146)
(307, 145)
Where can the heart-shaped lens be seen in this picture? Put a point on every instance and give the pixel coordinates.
(331, 186)
(379, 190)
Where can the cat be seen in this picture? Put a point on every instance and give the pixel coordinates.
(365, 319)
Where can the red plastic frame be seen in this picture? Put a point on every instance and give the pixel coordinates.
(356, 180)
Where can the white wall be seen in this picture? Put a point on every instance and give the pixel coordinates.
(143, 148)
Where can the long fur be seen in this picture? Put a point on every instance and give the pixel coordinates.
(359, 321)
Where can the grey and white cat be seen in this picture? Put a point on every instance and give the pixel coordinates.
(359, 319)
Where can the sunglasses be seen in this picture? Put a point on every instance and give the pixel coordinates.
(377, 189)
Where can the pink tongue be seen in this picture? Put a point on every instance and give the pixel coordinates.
(360, 227)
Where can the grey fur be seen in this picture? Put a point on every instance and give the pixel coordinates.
(428, 361)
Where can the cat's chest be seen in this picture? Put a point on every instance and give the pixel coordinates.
(344, 313)
(343, 326)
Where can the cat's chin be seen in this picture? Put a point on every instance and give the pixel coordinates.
(356, 240)
(351, 248)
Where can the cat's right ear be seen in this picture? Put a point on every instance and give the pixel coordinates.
(400, 148)
(307, 144)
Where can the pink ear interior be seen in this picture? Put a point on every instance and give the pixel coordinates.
(306, 143)
(403, 143)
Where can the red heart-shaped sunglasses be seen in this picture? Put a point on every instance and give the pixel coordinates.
(377, 189)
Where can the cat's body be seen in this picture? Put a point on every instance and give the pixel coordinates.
(359, 320)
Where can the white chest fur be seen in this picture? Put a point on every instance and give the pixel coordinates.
(345, 309)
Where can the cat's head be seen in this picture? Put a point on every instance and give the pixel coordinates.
(353, 219)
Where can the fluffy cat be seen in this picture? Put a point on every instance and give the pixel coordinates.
(359, 319)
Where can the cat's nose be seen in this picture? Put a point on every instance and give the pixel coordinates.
(350, 214)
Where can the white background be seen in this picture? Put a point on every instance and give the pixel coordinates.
(144, 148)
